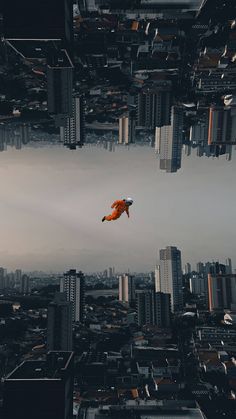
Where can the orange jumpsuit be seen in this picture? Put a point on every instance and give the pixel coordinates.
(119, 207)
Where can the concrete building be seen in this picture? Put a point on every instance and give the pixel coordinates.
(198, 285)
(132, 128)
(123, 129)
(127, 126)
(127, 288)
(221, 291)
(25, 284)
(145, 306)
(222, 125)
(18, 277)
(73, 286)
(162, 310)
(169, 138)
(157, 278)
(151, 9)
(181, 4)
(154, 106)
(153, 308)
(59, 329)
(212, 335)
(2, 279)
(199, 132)
(170, 409)
(170, 278)
(59, 85)
(187, 268)
(52, 379)
(73, 134)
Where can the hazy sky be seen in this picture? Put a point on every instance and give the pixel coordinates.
(52, 201)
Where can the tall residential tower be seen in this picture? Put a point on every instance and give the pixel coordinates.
(170, 276)
(72, 284)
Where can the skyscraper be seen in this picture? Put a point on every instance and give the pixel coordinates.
(228, 266)
(73, 134)
(187, 268)
(52, 379)
(59, 84)
(25, 133)
(73, 285)
(2, 279)
(221, 291)
(59, 330)
(153, 308)
(145, 306)
(199, 132)
(123, 129)
(154, 106)
(127, 288)
(170, 280)
(222, 125)
(127, 126)
(162, 310)
(198, 285)
(132, 127)
(200, 268)
(157, 278)
(18, 276)
(169, 138)
(25, 284)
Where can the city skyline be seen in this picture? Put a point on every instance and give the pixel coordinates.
(117, 203)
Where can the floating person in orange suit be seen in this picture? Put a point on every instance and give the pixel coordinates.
(120, 206)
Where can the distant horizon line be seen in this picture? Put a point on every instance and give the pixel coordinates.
(101, 272)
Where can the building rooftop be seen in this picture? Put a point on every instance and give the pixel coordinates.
(145, 410)
(51, 368)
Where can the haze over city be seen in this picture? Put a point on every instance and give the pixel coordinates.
(52, 203)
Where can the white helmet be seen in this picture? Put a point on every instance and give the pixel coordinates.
(129, 200)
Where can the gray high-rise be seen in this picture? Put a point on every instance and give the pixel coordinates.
(2, 279)
(127, 288)
(73, 134)
(25, 284)
(59, 84)
(170, 276)
(169, 140)
(154, 106)
(73, 285)
(162, 310)
(153, 308)
(145, 306)
(59, 330)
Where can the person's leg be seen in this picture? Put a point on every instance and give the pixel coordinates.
(113, 216)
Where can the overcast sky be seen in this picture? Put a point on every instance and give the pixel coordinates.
(52, 201)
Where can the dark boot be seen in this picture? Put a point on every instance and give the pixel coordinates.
(103, 219)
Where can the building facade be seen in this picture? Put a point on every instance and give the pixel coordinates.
(170, 278)
(73, 134)
(72, 284)
(59, 329)
(52, 379)
(169, 138)
(127, 288)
